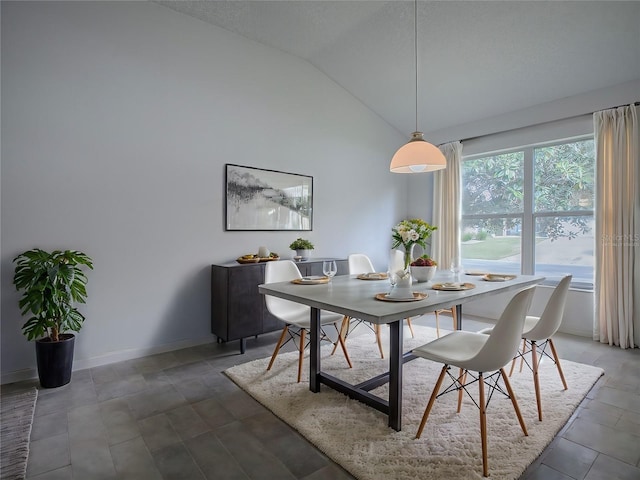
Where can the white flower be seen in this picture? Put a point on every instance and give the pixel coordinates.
(413, 235)
(405, 235)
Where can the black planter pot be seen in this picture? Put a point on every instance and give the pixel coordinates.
(55, 360)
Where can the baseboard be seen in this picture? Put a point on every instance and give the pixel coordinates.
(19, 376)
(113, 357)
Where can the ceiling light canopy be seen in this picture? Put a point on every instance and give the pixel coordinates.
(418, 155)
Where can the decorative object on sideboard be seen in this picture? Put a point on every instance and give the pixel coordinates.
(51, 284)
(259, 199)
(302, 247)
(256, 258)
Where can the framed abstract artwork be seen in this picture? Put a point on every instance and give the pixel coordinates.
(259, 199)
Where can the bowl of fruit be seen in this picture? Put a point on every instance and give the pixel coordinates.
(423, 268)
(250, 258)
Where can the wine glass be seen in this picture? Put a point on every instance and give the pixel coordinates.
(456, 269)
(329, 268)
(393, 279)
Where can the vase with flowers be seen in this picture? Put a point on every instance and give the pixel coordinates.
(408, 234)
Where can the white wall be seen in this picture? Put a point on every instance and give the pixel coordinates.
(117, 120)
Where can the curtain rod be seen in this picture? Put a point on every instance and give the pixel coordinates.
(618, 106)
(540, 123)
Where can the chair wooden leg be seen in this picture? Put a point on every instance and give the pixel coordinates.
(432, 399)
(513, 362)
(524, 349)
(278, 345)
(438, 323)
(343, 332)
(454, 318)
(462, 378)
(344, 350)
(483, 425)
(376, 328)
(557, 360)
(514, 401)
(301, 356)
(536, 380)
(411, 327)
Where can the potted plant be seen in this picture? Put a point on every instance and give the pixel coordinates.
(51, 283)
(302, 247)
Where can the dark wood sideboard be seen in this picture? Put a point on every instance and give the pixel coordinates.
(238, 311)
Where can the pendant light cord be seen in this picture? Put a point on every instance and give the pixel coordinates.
(415, 50)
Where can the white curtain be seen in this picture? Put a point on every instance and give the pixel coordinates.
(617, 238)
(445, 242)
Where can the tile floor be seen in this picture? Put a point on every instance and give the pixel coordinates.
(176, 416)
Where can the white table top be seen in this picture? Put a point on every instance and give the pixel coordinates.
(348, 295)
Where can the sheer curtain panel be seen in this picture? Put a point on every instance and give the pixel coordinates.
(617, 285)
(445, 243)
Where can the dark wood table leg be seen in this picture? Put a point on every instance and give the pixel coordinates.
(395, 375)
(314, 354)
(243, 345)
(459, 316)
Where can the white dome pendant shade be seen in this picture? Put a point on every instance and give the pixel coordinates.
(417, 156)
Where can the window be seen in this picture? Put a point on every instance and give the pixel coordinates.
(530, 210)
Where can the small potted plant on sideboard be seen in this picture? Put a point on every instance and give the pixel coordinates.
(51, 283)
(302, 247)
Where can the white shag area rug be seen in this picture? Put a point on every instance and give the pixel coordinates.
(16, 418)
(357, 436)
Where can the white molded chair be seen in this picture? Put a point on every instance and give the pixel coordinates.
(537, 335)
(358, 264)
(295, 314)
(477, 352)
(454, 317)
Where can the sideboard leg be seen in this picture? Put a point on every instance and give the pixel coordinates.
(243, 345)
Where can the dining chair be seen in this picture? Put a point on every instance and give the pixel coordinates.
(359, 263)
(295, 314)
(480, 353)
(454, 318)
(537, 335)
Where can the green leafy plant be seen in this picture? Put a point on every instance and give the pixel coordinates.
(51, 283)
(301, 244)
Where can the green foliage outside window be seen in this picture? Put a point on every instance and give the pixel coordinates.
(563, 181)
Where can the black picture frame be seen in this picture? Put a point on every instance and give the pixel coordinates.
(258, 199)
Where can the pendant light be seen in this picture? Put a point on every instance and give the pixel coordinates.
(417, 155)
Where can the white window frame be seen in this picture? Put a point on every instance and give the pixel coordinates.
(528, 216)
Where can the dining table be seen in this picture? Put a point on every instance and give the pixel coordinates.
(368, 300)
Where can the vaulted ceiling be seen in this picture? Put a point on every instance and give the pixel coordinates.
(477, 59)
